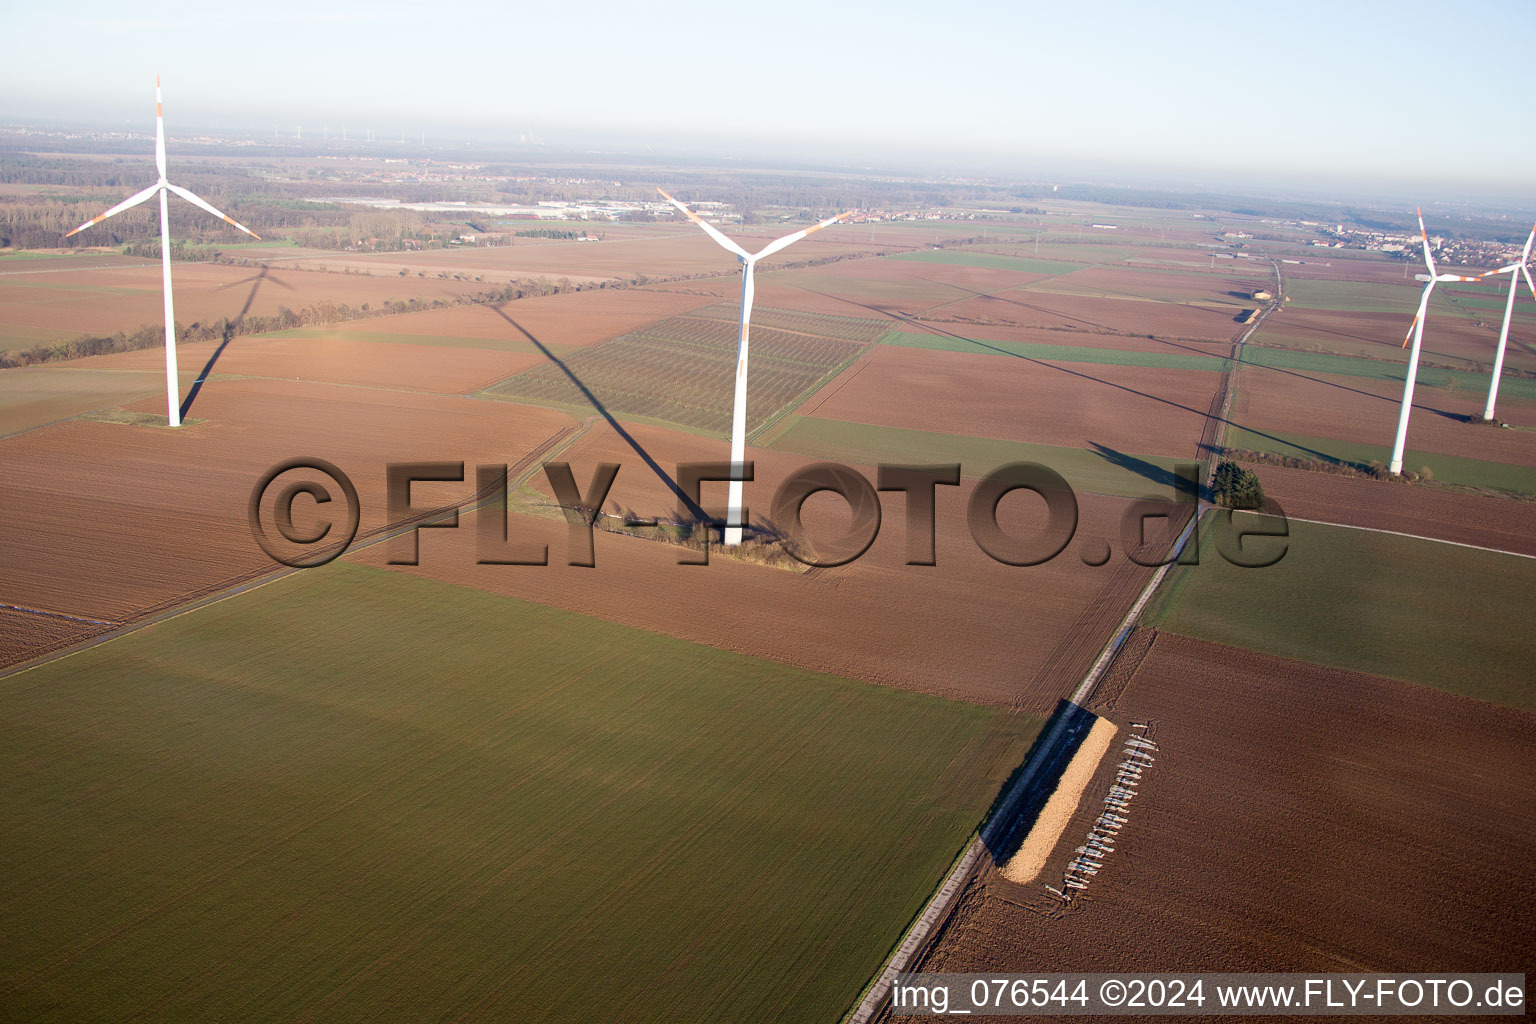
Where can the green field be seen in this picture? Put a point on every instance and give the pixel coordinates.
(1170, 360)
(360, 795)
(1450, 469)
(1454, 618)
(1134, 476)
(1376, 369)
(991, 261)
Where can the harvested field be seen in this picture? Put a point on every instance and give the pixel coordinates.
(1414, 509)
(1361, 409)
(1454, 618)
(1298, 818)
(680, 370)
(353, 795)
(1076, 405)
(31, 396)
(855, 620)
(111, 520)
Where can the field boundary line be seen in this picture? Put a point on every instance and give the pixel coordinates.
(1411, 536)
(961, 874)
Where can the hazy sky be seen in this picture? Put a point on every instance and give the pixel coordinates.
(1338, 89)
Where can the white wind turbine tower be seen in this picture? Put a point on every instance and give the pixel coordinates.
(1416, 333)
(1509, 311)
(733, 523)
(163, 188)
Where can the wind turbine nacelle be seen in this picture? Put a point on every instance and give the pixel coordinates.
(1422, 277)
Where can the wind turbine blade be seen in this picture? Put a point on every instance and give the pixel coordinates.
(788, 240)
(1429, 260)
(1525, 256)
(195, 201)
(159, 131)
(1528, 282)
(133, 200)
(709, 229)
(1502, 270)
(1423, 305)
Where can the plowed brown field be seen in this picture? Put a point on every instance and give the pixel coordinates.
(1423, 511)
(1035, 308)
(105, 301)
(1451, 340)
(1155, 412)
(1296, 818)
(439, 368)
(1084, 337)
(571, 320)
(109, 520)
(968, 627)
(1360, 409)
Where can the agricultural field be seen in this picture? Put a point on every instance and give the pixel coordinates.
(1115, 407)
(648, 789)
(470, 805)
(67, 304)
(1278, 400)
(1021, 652)
(114, 521)
(1463, 382)
(1064, 349)
(1462, 518)
(1100, 470)
(680, 370)
(1297, 818)
(1456, 341)
(1453, 618)
(32, 396)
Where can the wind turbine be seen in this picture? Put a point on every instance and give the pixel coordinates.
(163, 188)
(733, 523)
(1416, 333)
(1509, 310)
